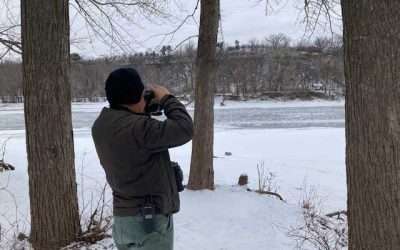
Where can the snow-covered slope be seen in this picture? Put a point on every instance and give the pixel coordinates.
(229, 218)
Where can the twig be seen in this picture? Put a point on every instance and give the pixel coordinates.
(176, 29)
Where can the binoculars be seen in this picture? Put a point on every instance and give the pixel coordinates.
(152, 106)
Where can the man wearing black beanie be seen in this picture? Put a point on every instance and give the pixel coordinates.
(123, 87)
(133, 150)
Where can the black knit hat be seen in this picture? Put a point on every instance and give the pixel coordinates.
(124, 86)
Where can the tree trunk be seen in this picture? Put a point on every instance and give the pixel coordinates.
(372, 61)
(49, 136)
(202, 170)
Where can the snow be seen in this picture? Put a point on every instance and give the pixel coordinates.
(230, 217)
(250, 104)
(249, 222)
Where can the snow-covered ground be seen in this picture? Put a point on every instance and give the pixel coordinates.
(230, 217)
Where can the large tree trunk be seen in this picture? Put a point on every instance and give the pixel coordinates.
(50, 148)
(201, 170)
(372, 71)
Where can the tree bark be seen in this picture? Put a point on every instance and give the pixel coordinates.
(202, 170)
(49, 136)
(372, 61)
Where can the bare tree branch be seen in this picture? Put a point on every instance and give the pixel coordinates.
(317, 13)
(177, 28)
(11, 45)
(9, 29)
(102, 17)
(9, 40)
(320, 13)
(185, 40)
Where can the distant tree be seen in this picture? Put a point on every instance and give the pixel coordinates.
(253, 44)
(278, 41)
(220, 46)
(166, 50)
(237, 44)
(190, 67)
(323, 43)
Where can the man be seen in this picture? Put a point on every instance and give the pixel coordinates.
(133, 150)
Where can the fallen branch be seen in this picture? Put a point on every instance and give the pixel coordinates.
(337, 213)
(266, 182)
(6, 167)
(97, 232)
(271, 193)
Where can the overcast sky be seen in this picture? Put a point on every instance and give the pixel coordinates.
(242, 20)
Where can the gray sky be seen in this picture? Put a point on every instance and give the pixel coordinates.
(242, 20)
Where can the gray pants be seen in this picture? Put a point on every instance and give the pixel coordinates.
(130, 233)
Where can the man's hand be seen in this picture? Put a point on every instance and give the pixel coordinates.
(159, 91)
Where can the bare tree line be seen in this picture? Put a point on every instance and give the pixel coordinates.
(252, 69)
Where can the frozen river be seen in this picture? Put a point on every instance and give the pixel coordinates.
(257, 115)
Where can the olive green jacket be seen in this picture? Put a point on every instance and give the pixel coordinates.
(133, 150)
